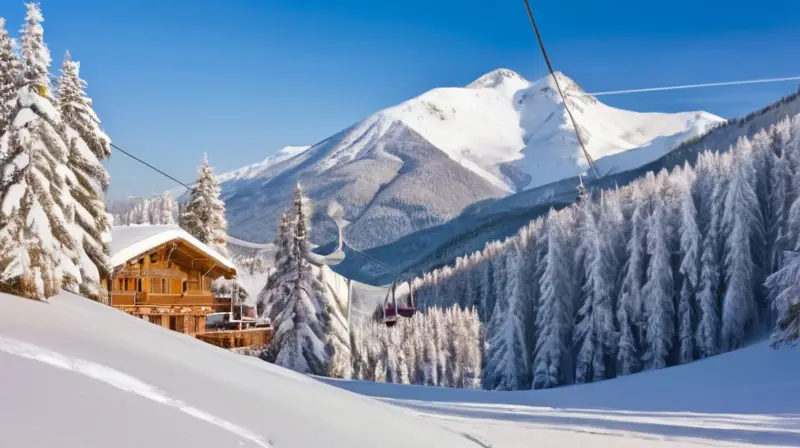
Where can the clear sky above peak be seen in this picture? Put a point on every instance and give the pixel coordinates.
(240, 79)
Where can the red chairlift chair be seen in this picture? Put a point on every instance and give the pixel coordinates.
(392, 312)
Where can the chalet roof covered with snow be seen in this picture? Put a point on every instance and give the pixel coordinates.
(127, 242)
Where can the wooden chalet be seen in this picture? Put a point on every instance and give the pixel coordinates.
(163, 274)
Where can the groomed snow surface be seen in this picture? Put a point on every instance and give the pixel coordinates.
(74, 373)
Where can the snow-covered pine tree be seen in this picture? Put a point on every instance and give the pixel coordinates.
(742, 225)
(47, 203)
(487, 295)
(309, 323)
(690, 242)
(474, 347)
(301, 325)
(783, 288)
(595, 335)
(162, 209)
(35, 54)
(473, 281)
(500, 274)
(88, 146)
(792, 155)
(710, 188)
(555, 314)
(204, 217)
(507, 366)
(140, 213)
(9, 77)
(629, 311)
(780, 196)
(78, 113)
(273, 298)
(659, 290)
(36, 201)
(430, 355)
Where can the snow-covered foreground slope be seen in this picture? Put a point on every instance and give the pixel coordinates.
(420, 163)
(744, 398)
(74, 373)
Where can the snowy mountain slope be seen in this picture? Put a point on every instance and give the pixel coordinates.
(496, 219)
(741, 398)
(498, 135)
(99, 378)
(256, 169)
(389, 180)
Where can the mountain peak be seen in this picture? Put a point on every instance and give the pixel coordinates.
(496, 78)
(566, 83)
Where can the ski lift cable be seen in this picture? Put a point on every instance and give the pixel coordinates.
(373, 259)
(560, 92)
(697, 86)
(149, 166)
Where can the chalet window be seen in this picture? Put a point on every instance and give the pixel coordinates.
(165, 286)
(154, 258)
(184, 286)
(155, 286)
(139, 285)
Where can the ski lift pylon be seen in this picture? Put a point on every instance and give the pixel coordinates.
(392, 312)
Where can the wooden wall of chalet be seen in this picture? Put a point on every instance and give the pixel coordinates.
(159, 279)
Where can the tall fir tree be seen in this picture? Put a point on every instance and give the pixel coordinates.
(36, 202)
(35, 54)
(629, 310)
(555, 314)
(47, 204)
(312, 332)
(9, 77)
(507, 364)
(711, 185)
(690, 241)
(659, 290)
(204, 217)
(784, 293)
(299, 342)
(88, 146)
(595, 335)
(742, 226)
(78, 112)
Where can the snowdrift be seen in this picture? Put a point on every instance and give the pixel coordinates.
(75, 373)
(748, 397)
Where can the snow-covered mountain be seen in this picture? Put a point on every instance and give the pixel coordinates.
(254, 170)
(420, 163)
(497, 219)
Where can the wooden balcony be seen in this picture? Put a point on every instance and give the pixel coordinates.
(150, 272)
(237, 338)
(190, 298)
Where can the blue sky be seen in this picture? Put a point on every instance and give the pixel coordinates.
(239, 79)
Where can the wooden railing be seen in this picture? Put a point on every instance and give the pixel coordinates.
(189, 298)
(237, 338)
(152, 272)
(150, 298)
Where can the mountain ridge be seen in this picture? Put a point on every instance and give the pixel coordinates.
(501, 133)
